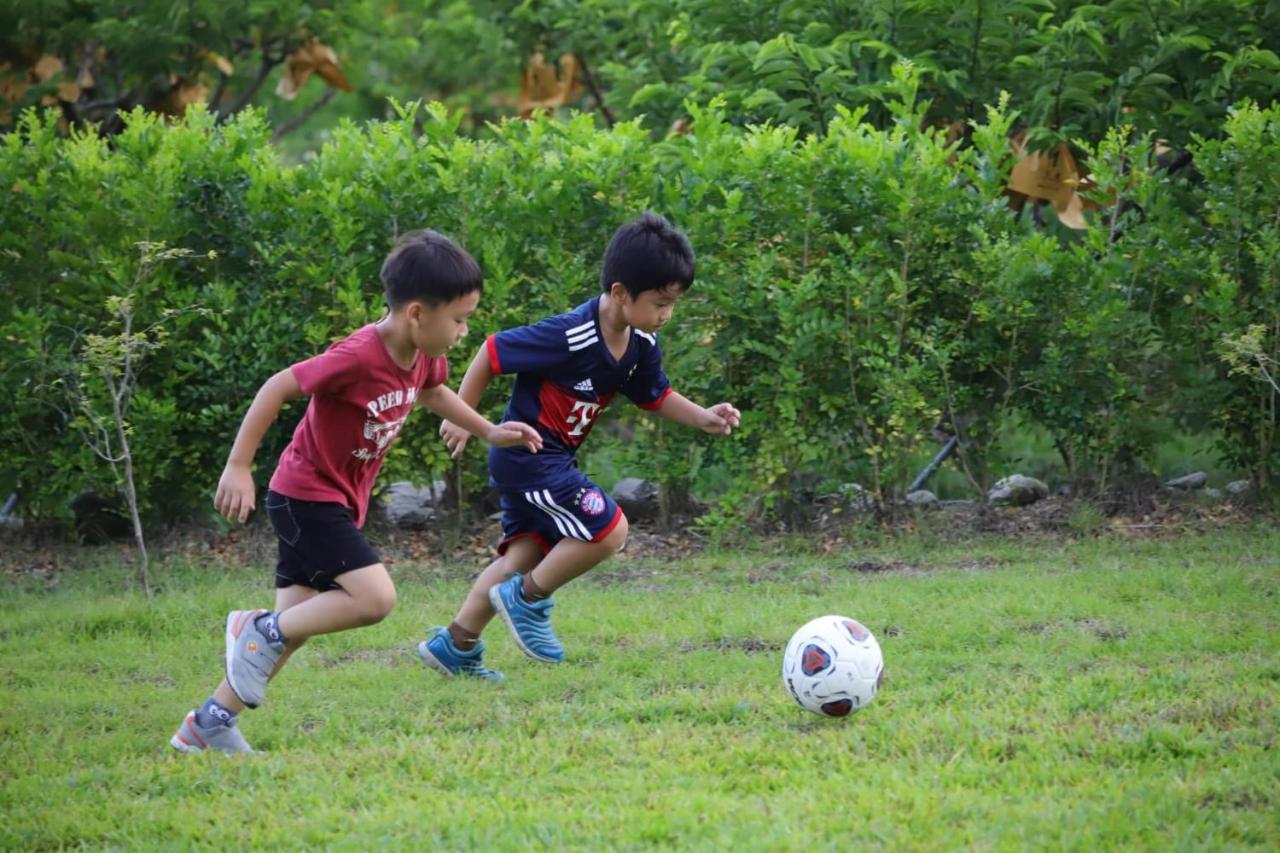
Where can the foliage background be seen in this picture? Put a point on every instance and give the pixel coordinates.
(853, 288)
(840, 168)
(1073, 68)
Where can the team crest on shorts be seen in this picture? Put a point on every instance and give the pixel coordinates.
(592, 502)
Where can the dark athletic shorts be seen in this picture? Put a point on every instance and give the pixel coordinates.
(318, 541)
(568, 506)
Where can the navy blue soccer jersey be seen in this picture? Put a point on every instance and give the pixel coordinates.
(565, 379)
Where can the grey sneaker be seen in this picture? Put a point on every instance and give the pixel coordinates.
(251, 657)
(191, 737)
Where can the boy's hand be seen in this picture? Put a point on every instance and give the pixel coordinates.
(721, 419)
(511, 433)
(235, 495)
(455, 438)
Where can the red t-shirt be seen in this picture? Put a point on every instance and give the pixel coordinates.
(359, 400)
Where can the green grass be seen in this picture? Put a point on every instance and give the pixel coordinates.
(1096, 693)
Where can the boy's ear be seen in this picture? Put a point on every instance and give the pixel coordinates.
(618, 291)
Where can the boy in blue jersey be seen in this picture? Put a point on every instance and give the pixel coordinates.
(556, 523)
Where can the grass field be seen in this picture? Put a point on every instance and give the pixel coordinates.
(1099, 693)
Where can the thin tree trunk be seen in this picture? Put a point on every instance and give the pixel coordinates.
(131, 495)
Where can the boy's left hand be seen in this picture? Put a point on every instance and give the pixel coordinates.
(511, 433)
(721, 419)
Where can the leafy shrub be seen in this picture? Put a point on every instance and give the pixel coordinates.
(854, 288)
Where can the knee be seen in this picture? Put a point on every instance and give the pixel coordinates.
(618, 535)
(377, 604)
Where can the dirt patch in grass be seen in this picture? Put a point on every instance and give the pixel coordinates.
(452, 552)
(1239, 799)
(382, 657)
(748, 645)
(872, 567)
(1105, 631)
(623, 574)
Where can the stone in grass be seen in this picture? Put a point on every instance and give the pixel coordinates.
(1018, 491)
(1190, 482)
(853, 496)
(922, 498)
(1237, 487)
(99, 519)
(638, 498)
(409, 506)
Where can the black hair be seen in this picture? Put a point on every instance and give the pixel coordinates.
(426, 266)
(648, 253)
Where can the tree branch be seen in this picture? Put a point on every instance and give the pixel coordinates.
(301, 119)
(218, 92)
(595, 92)
(264, 70)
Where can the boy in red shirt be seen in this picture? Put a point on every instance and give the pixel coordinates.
(362, 389)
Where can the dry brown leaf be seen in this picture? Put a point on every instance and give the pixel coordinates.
(220, 62)
(312, 58)
(182, 94)
(1053, 177)
(1072, 213)
(46, 67)
(13, 88)
(543, 87)
(953, 131)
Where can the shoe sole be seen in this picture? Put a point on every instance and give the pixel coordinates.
(433, 661)
(233, 634)
(496, 602)
(177, 744)
(177, 741)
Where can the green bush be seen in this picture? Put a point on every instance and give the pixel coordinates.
(853, 288)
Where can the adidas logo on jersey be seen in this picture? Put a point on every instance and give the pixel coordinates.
(585, 386)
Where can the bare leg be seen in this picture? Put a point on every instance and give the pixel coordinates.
(573, 557)
(286, 597)
(366, 597)
(475, 613)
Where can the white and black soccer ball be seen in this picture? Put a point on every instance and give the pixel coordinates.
(833, 666)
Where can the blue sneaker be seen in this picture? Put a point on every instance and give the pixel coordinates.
(439, 653)
(530, 624)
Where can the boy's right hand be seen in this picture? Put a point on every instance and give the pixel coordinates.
(235, 495)
(512, 433)
(455, 438)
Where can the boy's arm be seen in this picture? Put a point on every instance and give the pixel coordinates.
(448, 405)
(236, 495)
(720, 419)
(471, 391)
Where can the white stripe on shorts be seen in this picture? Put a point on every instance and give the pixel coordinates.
(571, 520)
(532, 498)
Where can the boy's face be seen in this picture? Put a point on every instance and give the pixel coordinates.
(436, 329)
(651, 310)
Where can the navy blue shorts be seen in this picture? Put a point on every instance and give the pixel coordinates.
(571, 507)
(318, 541)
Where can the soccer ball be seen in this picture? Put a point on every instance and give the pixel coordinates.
(833, 666)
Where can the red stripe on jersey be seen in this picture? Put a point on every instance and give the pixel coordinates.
(492, 347)
(657, 404)
(566, 416)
